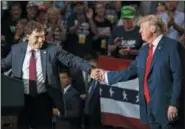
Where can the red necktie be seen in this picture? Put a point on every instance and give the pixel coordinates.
(32, 74)
(147, 68)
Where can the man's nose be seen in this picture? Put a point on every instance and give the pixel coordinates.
(41, 39)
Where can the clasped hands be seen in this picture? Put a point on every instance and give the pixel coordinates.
(97, 74)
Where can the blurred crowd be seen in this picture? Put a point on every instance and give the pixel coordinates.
(88, 29)
(109, 28)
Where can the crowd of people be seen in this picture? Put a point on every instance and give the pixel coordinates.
(85, 29)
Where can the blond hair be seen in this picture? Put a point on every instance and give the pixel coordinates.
(155, 21)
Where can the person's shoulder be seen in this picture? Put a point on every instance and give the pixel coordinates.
(167, 39)
(74, 91)
(50, 46)
(18, 46)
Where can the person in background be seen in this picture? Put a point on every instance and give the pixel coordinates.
(9, 24)
(136, 6)
(91, 115)
(41, 15)
(71, 119)
(117, 6)
(104, 27)
(125, 41)
(31, 9)
(81, 28)
(19, 33)
(81, 78)
(161, 7)
(65, 8)
(110, 11)
(92, 112)
(174, 19)
(55, 31)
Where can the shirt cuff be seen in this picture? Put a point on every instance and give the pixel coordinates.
(106, 81)
(58, 114)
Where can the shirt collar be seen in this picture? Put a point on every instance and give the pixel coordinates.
(29, 49)
(157, 40)
(66, 88)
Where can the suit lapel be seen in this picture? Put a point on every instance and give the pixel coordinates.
(156, 54)
(66, 95)
(21, 57)
(145, 54)
(144, 58)
(43, 53)
(91, 92)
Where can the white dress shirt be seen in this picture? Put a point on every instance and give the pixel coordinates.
(155, 44)
(66, 88)
(25, 70)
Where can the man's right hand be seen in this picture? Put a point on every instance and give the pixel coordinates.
(55, 111)
(98, 74)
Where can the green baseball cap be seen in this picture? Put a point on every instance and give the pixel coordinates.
(128, 12)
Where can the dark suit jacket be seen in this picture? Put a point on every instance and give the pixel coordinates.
(164, 78)
(78, 80)
(72, 110)
(92, 106)
(50, 56)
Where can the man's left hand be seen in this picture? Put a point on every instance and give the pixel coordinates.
(83, 96)
(172, 113)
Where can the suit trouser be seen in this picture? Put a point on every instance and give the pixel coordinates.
(154, 124)
(37, 112)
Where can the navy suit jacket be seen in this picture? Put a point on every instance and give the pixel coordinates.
(50, 58)
(164, 78)
(73, 108)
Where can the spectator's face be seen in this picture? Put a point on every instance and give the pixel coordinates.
(161, 9)
(172, 5)
(19, 28)
(16, 12)
(79, 9)
(118, 5)
(145, 31)
(100, 10)
(36, 39)
(128, 23)
(42, 18)
(64, 80)
(31, 11)
(53, 17)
